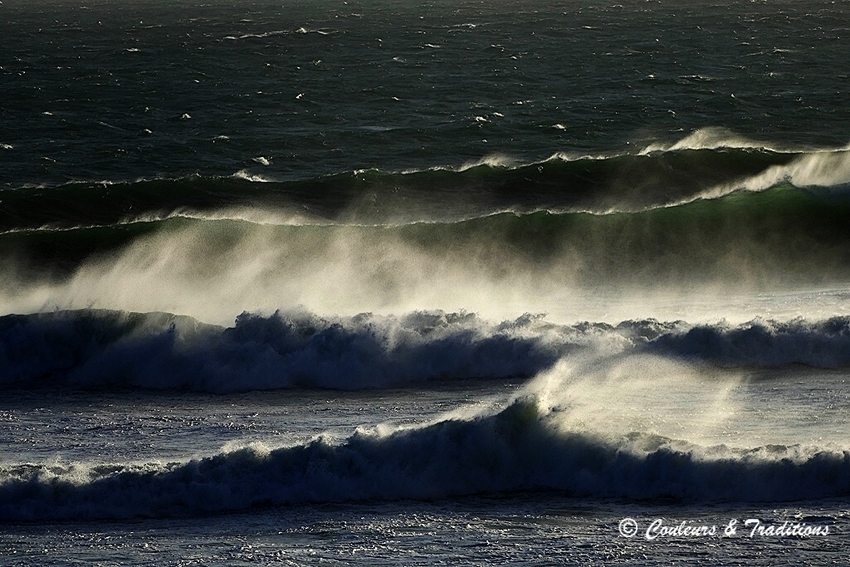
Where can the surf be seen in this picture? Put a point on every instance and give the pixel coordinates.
(115, 350)
(518, 449)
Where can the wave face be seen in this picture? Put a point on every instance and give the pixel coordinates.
(215, 266)
(160, 351)
(493, 238)
(562, 183)
(109, 349)
(518, 449)
(630, 181)
(820, 344)
(723, 214)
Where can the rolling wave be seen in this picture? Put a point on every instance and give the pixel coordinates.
(564, 182)
(783, 235)
(161, 351)
(710, 216)
(113, 349)
(521, 448)
(819, 344)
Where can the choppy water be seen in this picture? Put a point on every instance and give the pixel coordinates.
(411, 283)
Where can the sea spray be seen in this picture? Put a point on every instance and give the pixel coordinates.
(299, 349)
(520, 448)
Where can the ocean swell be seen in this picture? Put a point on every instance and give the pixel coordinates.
(161, 351)
(520, 448)
(298, 349)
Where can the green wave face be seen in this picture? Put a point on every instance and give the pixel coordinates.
(490, 238)
(625, 182)
(782, 235)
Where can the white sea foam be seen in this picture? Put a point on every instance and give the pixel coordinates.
(810, 168)
(492, 160)
(613, 411)
(299, 349)
(281, 351)
(710, 138)
(262, 35)
(253, 177)
(523, 447)
(815, 169)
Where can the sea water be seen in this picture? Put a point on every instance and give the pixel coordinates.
(414, 283)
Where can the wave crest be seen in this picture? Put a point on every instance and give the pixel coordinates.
(108, 349)
(285, 350)
(518, 449)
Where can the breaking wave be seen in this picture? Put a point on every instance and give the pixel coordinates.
(521, 448)
(113, 349)
(656, 177)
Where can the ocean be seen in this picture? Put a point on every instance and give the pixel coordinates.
(404, 282)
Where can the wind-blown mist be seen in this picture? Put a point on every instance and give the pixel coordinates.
(711, 218)
(107, 349)
(567, 431)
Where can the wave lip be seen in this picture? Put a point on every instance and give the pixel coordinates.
(518, 449)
